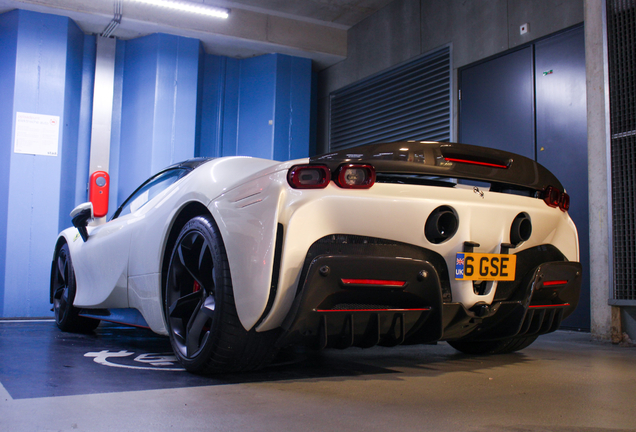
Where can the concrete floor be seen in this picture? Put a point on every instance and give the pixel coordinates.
(563, 383)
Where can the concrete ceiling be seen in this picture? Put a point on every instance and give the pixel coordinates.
(343, 13)
(315, 29)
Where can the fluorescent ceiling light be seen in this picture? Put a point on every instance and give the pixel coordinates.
(212, 11)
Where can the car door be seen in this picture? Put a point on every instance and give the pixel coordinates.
(101, 263)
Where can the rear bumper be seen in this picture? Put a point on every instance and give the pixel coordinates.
(533, 308)
(356, 300)
(339, 305)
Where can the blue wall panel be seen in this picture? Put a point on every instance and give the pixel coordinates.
(293, 102)
(70, 133)
(258, 107)
(257, 91)
(159, 105)
(212, 102)
(283, 106)
(231, 107)
(138, 104)
(301, 103)
(313, 115)
(199, 107)
(45, 47)
(176, 100)
(8, 47)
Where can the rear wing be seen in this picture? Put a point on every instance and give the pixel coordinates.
(446, 160)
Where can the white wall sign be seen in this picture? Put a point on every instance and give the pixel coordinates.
(36, 134)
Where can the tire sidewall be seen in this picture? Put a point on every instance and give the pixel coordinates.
(208, 229)
(71, 312)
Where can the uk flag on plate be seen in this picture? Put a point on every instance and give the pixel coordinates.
(459, 266)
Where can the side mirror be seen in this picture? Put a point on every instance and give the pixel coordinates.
(81, 216)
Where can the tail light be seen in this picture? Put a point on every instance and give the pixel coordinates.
(564, 203)
(309, 176)
(551, 196)
(348, 176)
(354, 176)
(555, 198)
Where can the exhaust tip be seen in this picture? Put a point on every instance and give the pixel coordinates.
(441, 224)
(521, 229)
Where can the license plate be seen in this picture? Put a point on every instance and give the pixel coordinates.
(485, 267)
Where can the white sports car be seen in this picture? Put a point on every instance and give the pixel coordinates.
(396, 243)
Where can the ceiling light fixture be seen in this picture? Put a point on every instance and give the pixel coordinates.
(212, 11)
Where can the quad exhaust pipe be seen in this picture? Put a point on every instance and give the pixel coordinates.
(441, 224)
(521, 229)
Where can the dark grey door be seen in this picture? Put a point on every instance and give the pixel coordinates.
(561, 111)
(532, 102)
(497, 104)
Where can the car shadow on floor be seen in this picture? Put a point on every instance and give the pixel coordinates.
(38, 360)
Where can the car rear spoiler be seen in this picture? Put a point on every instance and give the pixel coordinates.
(450, 160)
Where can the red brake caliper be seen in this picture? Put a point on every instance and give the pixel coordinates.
(196, 288)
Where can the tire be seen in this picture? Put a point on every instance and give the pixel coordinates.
(502, 346)
(205, 331)
(63, 294)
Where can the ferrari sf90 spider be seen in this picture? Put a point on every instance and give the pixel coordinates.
(235, 258)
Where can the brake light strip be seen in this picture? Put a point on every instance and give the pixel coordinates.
(373, 282)
(473, 162)
(549, 306)
(375, 310)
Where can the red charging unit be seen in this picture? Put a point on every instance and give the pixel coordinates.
(98, 193)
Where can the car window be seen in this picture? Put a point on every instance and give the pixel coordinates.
(150, 189)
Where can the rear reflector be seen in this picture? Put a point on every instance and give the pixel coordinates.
(555, 283)
(375, 310)
(309, 176)
(549, 306)
(377, 282)
(355, 176)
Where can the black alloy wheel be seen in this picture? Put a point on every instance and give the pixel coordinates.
(63, 288)
(205, 331)
(190, 291)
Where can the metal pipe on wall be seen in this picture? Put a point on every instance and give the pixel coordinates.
(102, 110)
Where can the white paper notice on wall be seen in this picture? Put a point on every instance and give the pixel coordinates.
(36, 134)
